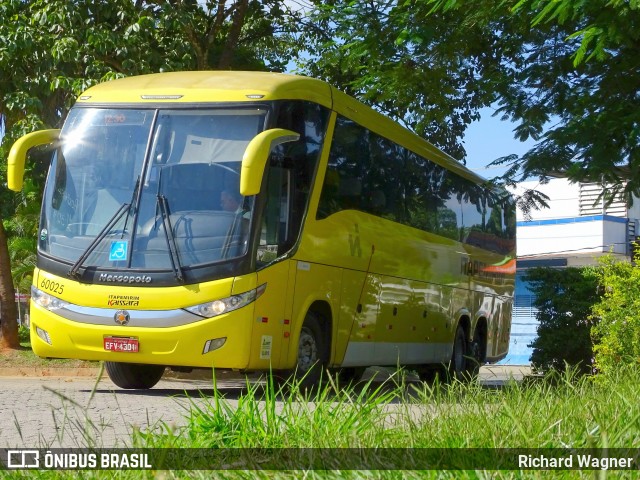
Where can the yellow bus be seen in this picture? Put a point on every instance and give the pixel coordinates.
(260, 221)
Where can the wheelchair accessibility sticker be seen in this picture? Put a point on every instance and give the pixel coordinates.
(118, 251)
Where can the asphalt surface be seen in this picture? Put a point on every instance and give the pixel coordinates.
(73, 409)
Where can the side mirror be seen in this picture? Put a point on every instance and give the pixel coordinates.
(255, 157)
(19, 151)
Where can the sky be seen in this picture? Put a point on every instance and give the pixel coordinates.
(488, 139)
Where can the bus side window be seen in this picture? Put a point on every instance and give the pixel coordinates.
(348, 171)
(290, 176)
(275, 232)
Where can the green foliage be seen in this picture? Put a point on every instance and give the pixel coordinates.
(564, 298)
(560, 411)
(566, 412)
(22, 231)
(56, 49)
(23, 334)
(569, 76)
(418, 68)
(52, 50)
(617, 333)
(566, 72)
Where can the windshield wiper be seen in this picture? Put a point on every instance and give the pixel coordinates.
(101, 234)
(163, 203)
(133, 203)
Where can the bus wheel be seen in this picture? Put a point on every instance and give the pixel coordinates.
(311, 357)
(476, 354)
(458, 363)
(349, 375)
(429, 373)
(134, 375)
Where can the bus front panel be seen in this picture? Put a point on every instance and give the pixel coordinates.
(116, 324)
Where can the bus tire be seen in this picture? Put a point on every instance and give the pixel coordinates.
(134, 375)
(429, 373)
(476, 356)
(311, 358)
(349, 375)
(458, 363)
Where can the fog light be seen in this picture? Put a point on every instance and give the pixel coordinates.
(213, 344)
(44, 335)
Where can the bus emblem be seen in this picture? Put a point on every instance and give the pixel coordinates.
(121, 317)
(354, 243)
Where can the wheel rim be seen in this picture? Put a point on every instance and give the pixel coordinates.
(307, 350)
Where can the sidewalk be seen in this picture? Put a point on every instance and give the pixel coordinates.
(517, 372)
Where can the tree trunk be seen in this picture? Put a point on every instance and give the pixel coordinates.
(8, 312)
(234, 35)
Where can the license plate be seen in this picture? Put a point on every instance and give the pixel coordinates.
(121, 344)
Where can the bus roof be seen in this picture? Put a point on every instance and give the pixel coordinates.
(232, 86)
(208, 86)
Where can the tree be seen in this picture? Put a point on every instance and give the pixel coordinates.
(55, 49)
(8, 312)
(421, 70)
(617, 331)
(566, 72)
(563, 298)
(22, 233)
(574, 89)
(429, 67)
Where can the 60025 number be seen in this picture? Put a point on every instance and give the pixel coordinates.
(52, 286)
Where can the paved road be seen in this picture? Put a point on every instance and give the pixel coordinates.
(51, 412)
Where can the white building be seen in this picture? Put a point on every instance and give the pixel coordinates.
(574, 231)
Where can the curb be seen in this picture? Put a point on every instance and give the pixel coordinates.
(488, 372)
(85, 372)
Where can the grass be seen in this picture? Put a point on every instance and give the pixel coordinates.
(559, 411)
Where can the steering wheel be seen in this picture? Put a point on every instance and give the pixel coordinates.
(150, 225)
(119, 231)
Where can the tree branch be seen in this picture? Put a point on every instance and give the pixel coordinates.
(234, 34)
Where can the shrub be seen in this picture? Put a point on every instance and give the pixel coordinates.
(564, 298)
(23, 334)
(617, 333)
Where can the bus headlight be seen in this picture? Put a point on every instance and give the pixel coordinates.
(45, 300)
(225, 305)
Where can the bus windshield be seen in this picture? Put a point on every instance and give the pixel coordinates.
(149, 189)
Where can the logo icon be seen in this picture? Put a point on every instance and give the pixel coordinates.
(122, 317)
(118, 251)
(23, 459)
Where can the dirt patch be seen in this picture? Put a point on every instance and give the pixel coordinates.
(26, 359)
(48, 372)
(24, 363)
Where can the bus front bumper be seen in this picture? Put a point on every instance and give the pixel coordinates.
(227, 337)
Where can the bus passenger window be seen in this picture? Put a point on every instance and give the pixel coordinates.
(348, 170)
